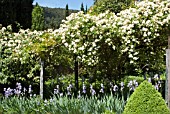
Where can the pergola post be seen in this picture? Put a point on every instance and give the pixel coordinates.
(167, 87)
(41, 77)
(76, 74)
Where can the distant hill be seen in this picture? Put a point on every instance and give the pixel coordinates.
(54, 16)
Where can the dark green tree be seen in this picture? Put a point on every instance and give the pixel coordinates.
(16, 11)
(24, 18)
(37, 18)
(82, 7)
(115, 6)
(53, 23)
(95, 1)
(86, 9)
(66, 11)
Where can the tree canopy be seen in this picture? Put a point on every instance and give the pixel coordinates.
(100, 6)
(37, 18)
(16, 11)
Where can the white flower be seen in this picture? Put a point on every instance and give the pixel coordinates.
(63, 41)
(66, 44)
(148, 22)
(135, 53)
(72, 35)
(135, 58)
(144, 34)
(90, 49)
(125, 50)
(75, 51)
(77, 40)
(131, 62)
(73, 43)
(128, 41)
(81, 48)
(157, 34)
(136, 22)
(129, 32)
(130, 56)
(100, 37)
(144, 29)
(114, 47)
(152, 53)
(92, 28)
(145, 40)
(94, 44)
(97, 40)
(107, 40)
(89, 63)
(3, 29)
(131, 50)
(149, 33)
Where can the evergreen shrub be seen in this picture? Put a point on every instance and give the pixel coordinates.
(146, 100)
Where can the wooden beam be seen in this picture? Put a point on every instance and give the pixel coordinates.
(76, 75)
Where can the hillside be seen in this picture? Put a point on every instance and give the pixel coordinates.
(54, 16)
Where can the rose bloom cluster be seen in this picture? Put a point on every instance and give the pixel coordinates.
(26, 41)
(23, 47)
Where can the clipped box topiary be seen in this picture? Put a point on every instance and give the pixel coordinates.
(146, 100)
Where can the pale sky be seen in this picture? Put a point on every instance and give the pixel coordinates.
(72, 4)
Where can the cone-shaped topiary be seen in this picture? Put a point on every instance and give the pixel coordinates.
(146, 100)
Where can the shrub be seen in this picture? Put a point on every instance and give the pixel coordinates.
(129, 78)
(146, 100)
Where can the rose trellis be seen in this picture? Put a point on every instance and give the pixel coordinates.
(138, 33)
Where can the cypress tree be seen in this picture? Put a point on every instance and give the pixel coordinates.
(95, 1)
(86, 9)
(66, 11)
(82, 7)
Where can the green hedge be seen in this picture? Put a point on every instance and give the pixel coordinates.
(146, 100)
(129, 78)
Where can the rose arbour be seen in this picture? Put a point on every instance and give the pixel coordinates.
(132, 33)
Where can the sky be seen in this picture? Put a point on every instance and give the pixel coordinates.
(72, 4)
